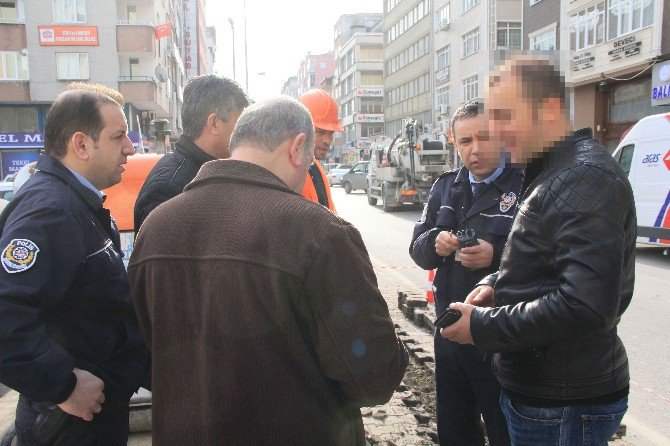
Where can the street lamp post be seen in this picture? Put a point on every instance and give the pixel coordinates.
(232, 27)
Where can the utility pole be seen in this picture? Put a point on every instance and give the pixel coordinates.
(232, 27)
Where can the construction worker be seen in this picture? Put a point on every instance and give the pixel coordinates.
(323, 109)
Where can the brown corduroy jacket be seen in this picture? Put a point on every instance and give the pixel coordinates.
(262, 314)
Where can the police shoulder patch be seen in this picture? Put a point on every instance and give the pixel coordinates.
(507, 201)
(19, 255)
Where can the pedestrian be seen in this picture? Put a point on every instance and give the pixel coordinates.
(259, 332)
(212, 104)
(69, 339)
(479, 196)
(566, 274)
(323, 109)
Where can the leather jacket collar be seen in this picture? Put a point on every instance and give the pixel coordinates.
(190, 150)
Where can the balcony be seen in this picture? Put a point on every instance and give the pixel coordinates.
(145, 93)
(443, 75)
(15, 91)
(13, 37)
(135, 38)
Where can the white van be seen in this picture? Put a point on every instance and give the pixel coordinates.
(644, 153)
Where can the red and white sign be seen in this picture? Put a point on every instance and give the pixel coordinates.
(164, 30)
(373, 92)
(68, 35)
(370, 118)
(666, 160)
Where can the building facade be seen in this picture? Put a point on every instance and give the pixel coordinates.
(290, 87)
(468, 36)
(358, 84)
(119, 44)
(408, 44)
(313, 69)
(614, 45)
(541, 25)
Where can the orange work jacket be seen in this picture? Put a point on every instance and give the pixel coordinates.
(309, 192)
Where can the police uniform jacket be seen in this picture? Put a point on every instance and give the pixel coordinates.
(64, 293)
(451, 207)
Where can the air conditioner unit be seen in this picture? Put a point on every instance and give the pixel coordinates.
(443, 25)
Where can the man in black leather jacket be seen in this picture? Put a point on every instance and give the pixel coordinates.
(211, 107)
(566, 274)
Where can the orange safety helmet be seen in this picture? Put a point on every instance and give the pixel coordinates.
(323, 109)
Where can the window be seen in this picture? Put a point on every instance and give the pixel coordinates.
(470, 87)
(371, 130)
(545, 40)
(444, 16)
(443, 97)
(132, 14)
(587, 27)
(69, 11)
(371, 106)
(509, 34)
(443, 58)
(409, 55)
(72, 66)
(13, 66)
(406, 22)
(468, 5)
(625, 16)
(134, 67)
(626, 157)
(372, 79)
(9, 12)
(471, 42)
(371, 53)
(323, 64)
(311, 65)
(18, 119)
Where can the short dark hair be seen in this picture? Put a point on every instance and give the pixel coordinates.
(74, 111)
(104, 89)
(466, 110)
(204, 95)
(540, 78)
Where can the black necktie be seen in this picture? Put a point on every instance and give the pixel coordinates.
(477, 189)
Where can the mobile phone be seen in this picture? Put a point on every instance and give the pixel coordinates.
(447, 318)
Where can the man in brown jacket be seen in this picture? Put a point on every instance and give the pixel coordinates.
(260, 332)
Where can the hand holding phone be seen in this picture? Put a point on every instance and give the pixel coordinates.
(447, 318)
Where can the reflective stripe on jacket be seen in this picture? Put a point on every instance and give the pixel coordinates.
(308, 191)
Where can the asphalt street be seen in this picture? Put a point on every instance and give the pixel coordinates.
(643, 328)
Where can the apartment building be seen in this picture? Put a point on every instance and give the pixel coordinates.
(120, 44)
(290, 87)
(541, 25)
(468, 35)
(358, 84)
(408, 43)
(618, 49)
(314, 68)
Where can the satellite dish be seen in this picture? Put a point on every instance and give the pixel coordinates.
(161, 73)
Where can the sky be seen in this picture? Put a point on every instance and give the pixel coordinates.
(279, 35)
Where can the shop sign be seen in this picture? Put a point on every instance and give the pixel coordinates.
(68, 35)
(375, 92)
(660, 84)
(370, 118)
(626, 47)
(13, 160)
(21, 140)
(583, 61)
(363, 143)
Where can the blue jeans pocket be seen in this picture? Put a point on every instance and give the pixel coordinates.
(598, 429)
(532, 426)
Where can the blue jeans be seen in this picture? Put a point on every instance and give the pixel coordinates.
(562, 426)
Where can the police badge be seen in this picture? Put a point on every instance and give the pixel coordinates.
(19, 255)
(507, 201)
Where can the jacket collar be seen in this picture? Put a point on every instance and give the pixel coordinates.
(234, 171)
(50, 165)
(503, 182)
(190, 150)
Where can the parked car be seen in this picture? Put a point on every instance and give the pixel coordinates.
(328, 166)
(7, 190)
(645, 156)
(335, 174)
(356, 178)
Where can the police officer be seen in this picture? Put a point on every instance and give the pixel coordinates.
(482, 196)
(69, 339)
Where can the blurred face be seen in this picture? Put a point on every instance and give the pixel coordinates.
(474, 148)
(111, 151)
(324, 139)
(512, 122)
